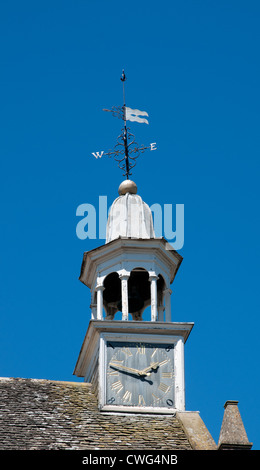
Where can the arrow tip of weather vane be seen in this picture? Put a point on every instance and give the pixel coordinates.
(123, 78)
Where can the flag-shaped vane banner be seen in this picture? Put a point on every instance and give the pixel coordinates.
(133, 115)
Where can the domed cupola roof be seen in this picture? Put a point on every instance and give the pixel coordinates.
(129, 215)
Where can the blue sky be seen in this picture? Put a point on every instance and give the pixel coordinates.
(194, 67)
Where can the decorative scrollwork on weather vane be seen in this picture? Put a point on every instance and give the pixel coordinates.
(126, 150)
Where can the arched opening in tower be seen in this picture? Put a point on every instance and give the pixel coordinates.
(112, 295)
(139, 294)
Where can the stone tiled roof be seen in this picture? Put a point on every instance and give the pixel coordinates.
(44, 414)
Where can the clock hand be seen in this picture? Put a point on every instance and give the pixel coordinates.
(129, 369)
(152, 366)
(138, 373)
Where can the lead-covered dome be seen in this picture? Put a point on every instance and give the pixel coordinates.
(129, 215)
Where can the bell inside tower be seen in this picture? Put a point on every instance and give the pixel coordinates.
(112, 294)
(138, 292)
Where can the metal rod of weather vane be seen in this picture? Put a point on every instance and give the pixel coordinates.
(123, 79)
(126, 154)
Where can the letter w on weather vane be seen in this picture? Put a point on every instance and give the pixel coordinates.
(126, 150)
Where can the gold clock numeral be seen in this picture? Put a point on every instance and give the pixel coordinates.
(164, 388)
(141, 401)
(154, 352)
(155, 397)
(117, 386)
(168, 375)
(113, 372)
(127, 396)
(127, 351)
(140, 349)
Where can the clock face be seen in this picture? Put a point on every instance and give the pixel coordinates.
(140, 374)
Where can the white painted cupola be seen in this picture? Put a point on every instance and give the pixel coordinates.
(134, 269)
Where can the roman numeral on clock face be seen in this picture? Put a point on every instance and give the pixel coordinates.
(163, 387)
(141, 401)
(140, 349)
(127, 396)
(167, 375)
(154, 352)
(117, 386)
(127, 352)
(155, 397)
(113, 372)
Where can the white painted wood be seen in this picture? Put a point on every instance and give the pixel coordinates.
(99, 290)
(179, 375)
(122, 256)
(154, 309)
(93, 308)
(96, 327)
(124, 293)
(102, 369)
(129, 216)
(161, 309)
(167, 299)
(127, 253)
(138, 409)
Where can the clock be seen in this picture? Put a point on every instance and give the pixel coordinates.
(140, 374)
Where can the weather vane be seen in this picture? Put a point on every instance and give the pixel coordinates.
(126, 151)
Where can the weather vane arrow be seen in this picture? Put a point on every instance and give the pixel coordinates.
(126, 150)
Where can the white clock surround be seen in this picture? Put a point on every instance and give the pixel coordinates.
(92, 362)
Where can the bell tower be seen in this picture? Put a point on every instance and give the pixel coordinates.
(135, 364)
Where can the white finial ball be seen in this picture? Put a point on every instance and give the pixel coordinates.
(127, 186)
